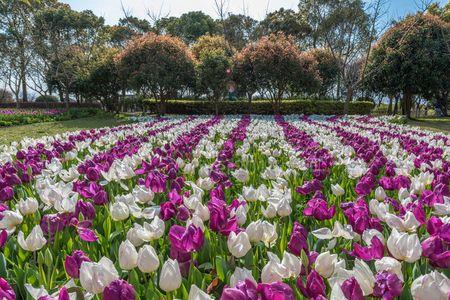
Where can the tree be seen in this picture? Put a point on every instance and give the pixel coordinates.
(239, 30)
(274, 66)
(61, 33)
(102, 82)
(157, 64)
(411, 58)
(328, 67)
(284, 21)
(211, 43)
(189, 26)
(212, 75)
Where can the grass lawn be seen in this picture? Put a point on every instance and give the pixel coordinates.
(434, 124)
(16, 133)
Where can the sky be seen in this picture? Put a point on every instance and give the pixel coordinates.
(111, 9)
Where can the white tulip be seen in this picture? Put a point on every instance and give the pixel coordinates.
(170, 276)
(369, 234)
(241, 175)
(403, 193)
(273, 271)
(148, 260)
(338, 231)
(284, 208)
(408, 223)
(337, 190)
(325, 264)
(34, 241)
(254, 231)
(404, 246)
(379, 209)
(241, 274)
(269, 212)
(250, 194)
(263, 192)
(66, 204)
(69, 175)
(142, 194)
(432, 286)
(94, 277)
(205, 183)
(269, 233)
(364, 276)
(197, 294)
(241, 213)
(389, 264)
(292, 264)
(442, 209)
(380, 194)
(238, 244)
(28, 206)
(119, 211)
(128, 256)
(10, 220)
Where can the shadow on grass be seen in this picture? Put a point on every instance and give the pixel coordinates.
(430, 123)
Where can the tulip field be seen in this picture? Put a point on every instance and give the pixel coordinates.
(228, 207)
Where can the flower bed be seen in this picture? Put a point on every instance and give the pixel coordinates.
(233, 207)
(11, 116)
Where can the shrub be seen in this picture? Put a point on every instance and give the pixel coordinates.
(328, 67)
(160, 65)
(263, 107)
(211, 43)
(46, 98)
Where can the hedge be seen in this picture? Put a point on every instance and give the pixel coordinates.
(308, 107)
(49, 105)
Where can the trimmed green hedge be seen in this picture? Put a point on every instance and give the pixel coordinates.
(308, 107)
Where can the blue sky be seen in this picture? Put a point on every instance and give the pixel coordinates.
(111, 9)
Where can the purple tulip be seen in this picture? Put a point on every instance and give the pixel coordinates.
(351, 289)
(309, 187)
(168, 210)
(93, 174)
(6, 291)
(86, 209)
(387, 286)
(299, 239)
(73, 263)
(7, 193)
(437, 251)
(53, 223)
(318, 209)
(186, 239)
(275, 290)
(375, 251)
(220, 220)
(244, 290)
(3, 238)
(315, 286)
(119, 289)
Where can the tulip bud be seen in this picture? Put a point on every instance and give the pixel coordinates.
(128, 255)
(170, 276)
(148, 260)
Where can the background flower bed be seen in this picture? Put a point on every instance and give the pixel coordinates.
(10, 117)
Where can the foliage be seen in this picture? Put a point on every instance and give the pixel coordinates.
(212, 74)
(160, 65)
(239, 30)
(411, 58)
(284, 21)
(328, 67)
(46, 98)
(189, 26)
(276, 66)
(262, 107)
(211, 43)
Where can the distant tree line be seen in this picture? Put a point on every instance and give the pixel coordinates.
(328, 49)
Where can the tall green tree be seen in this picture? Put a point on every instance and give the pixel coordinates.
(239, 30)
(411, 58)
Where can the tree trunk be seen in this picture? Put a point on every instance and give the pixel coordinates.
(216, 106)
(389, 111)
(61, 94)
(348, 100)
(407, 103)
(396, 106)
(67, 100)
